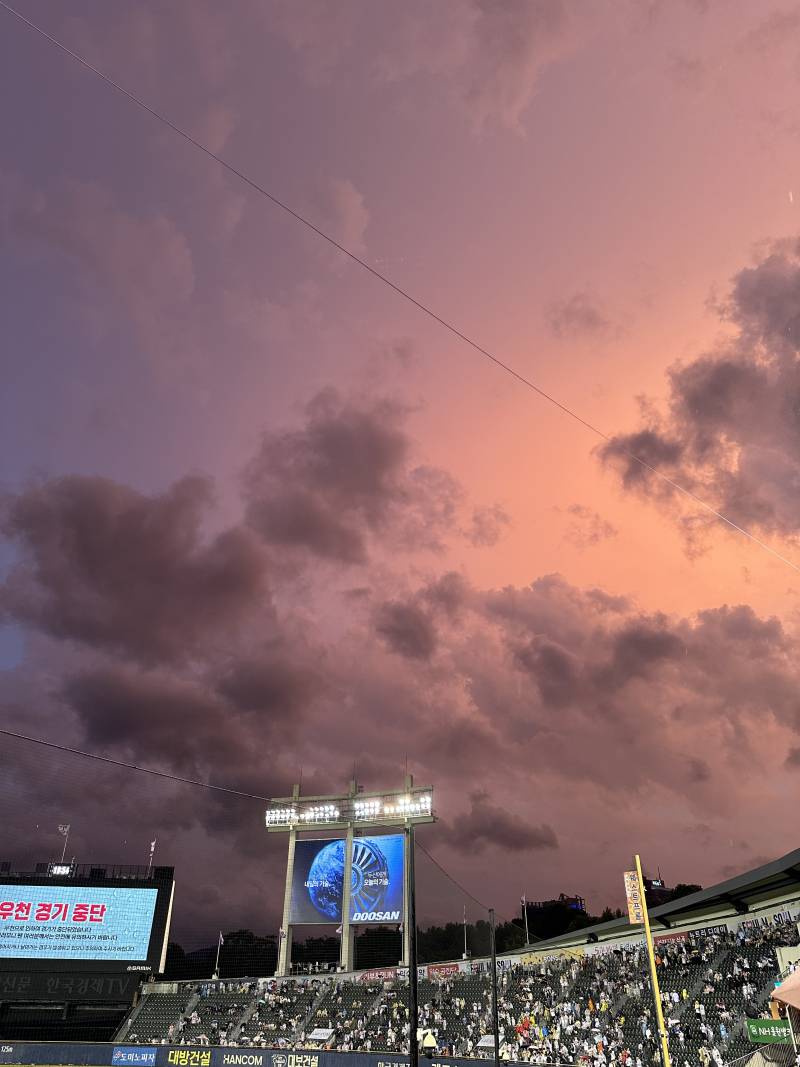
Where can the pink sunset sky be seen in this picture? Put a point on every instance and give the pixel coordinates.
(260, 513)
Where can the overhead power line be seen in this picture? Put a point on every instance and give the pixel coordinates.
(447, 874)
(131, 766)
(424, 308)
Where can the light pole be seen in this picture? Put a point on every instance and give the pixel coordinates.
(495, 1022)
(413, 1000)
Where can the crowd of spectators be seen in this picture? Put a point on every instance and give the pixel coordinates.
(594, 1010)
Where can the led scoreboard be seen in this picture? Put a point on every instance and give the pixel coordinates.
(85, 919)
(75, 922)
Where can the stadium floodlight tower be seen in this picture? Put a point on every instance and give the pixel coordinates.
(358, 870)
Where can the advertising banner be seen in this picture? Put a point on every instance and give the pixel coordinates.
(768, 1032)
(658, 938)
(504, 963)
(317, 881)
(707, 931)
(45, 985)
(445, 970)
(377, 887)
(529, 959)
(75, 922)
(378, 974)
(101, 1055)
(377, 884)
(634, 897)
(135, 1054)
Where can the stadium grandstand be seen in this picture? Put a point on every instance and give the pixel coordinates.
(582, 997)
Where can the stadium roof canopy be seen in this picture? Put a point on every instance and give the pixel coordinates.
(747, 894)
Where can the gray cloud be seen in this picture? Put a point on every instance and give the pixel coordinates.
(116, 569)
(587, 528)
(345, 482)
(730, 432)
(487, 825)
(486, 526)
(406, 630)
(577, 316)
(161, 718)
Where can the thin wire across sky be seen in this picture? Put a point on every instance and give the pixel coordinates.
(424, 308)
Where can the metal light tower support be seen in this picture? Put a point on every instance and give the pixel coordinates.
(495, 1022)
(411, 922)
(346, 943)
(406, 946)
(285, 947)
(352, 814)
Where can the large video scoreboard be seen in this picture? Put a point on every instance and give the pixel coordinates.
(84, 920)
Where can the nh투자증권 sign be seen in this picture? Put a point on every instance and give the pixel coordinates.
(768, 1031)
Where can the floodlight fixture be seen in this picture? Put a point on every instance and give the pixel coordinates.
(355, 809)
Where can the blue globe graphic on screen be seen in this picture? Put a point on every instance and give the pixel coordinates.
(326, 880)
(369, 880)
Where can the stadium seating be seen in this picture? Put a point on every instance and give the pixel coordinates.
(158, 1012)
(563, 1009)
(278, 1010)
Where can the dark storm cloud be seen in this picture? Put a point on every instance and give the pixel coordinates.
(345, 481)
(489, 825)
(272, 684)
(113, 568)
(448, 593)
(556, 671)
(577, 316)
(344, 477)
(160, 718)
(648, 445)
(731, 433)
(638, 648)
(406, 630)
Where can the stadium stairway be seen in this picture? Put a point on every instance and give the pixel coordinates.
(246, 1016)
(301, 1027)
(374, 1005)
(714, 964)
(191, 1004)
(617, 1008)
(130, 1019)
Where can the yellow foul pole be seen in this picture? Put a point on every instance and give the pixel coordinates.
(662, 1031)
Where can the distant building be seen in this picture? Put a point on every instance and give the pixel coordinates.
(657, 892)
(576, 903)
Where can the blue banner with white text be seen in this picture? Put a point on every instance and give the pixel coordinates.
(102, 1055)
